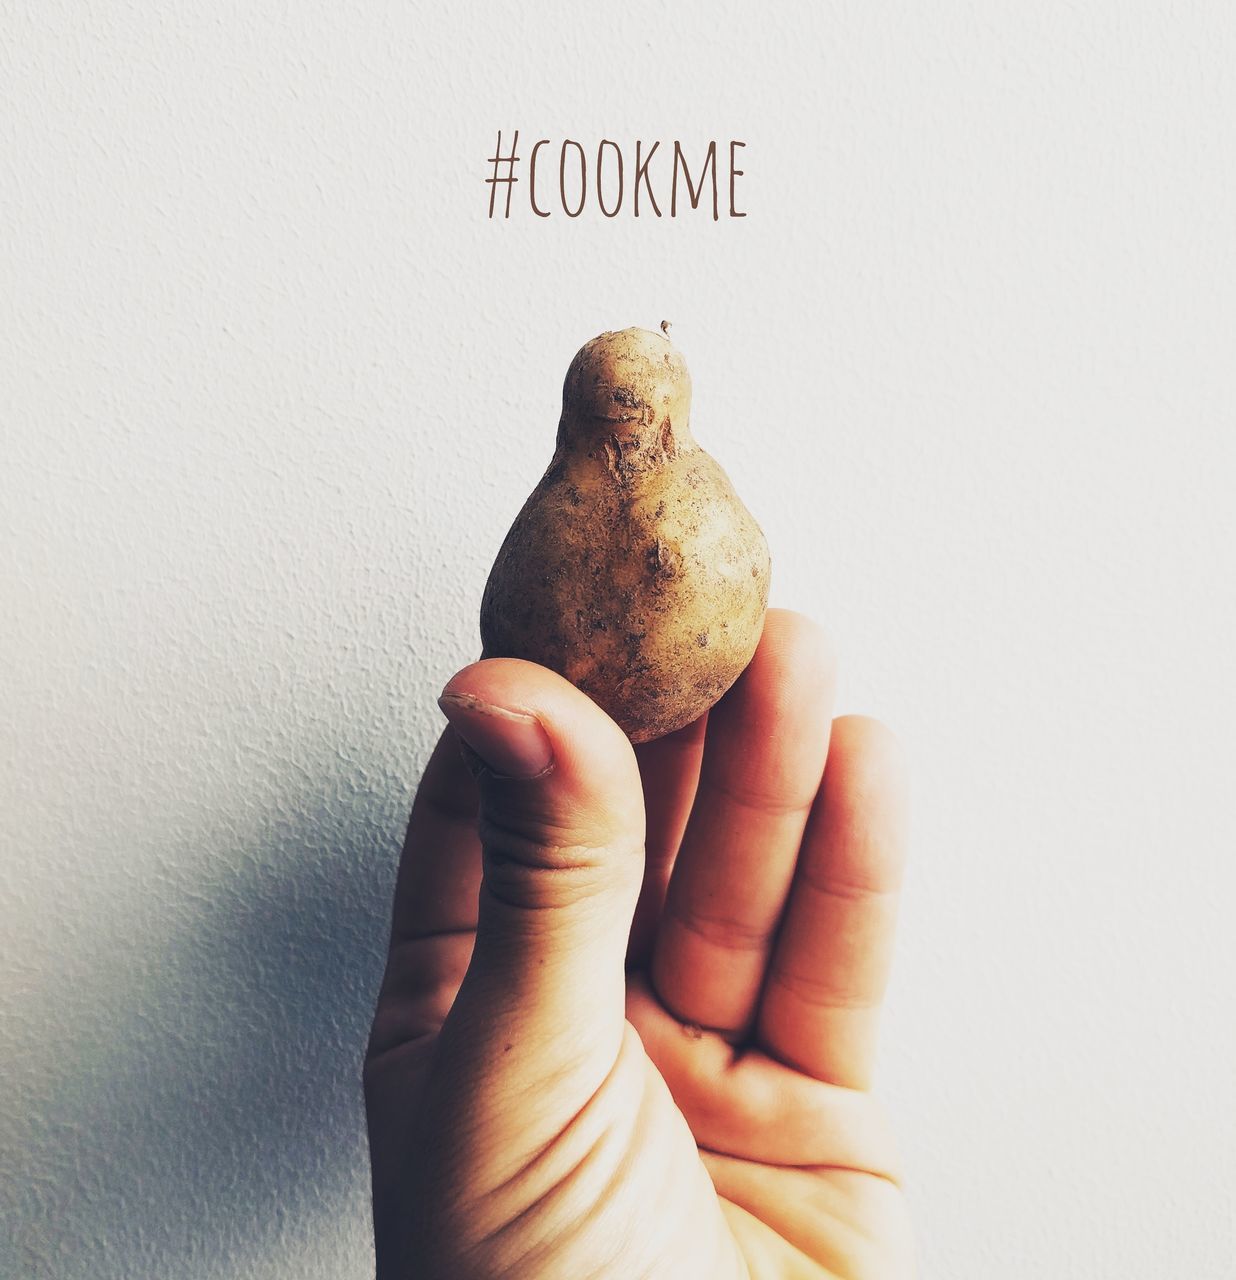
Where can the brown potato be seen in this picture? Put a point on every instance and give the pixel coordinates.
(633, 569)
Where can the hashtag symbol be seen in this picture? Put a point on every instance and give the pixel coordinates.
(510, 161)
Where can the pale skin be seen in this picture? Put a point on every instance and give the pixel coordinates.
(628, 1024)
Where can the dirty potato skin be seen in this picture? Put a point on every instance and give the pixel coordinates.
(633, 569)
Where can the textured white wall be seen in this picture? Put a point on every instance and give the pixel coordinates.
(272, 387)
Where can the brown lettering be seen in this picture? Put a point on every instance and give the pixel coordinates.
(540, 213)
(605, 142)
(641, 175)
(734, 173)
(710, 163)
(583, 178)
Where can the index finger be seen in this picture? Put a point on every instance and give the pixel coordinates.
(433, 922)
(439, 876)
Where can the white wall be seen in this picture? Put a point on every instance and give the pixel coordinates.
(272, 387)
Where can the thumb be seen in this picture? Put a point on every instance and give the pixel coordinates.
(562, 835)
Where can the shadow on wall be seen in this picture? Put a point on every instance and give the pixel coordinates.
(215, 1113)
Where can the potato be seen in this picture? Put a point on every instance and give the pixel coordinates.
(633, 569)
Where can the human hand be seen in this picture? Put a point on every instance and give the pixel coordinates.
(592, 1060)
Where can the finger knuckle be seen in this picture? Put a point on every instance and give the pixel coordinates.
(543, 866)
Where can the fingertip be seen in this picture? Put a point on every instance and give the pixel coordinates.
(527, 688)
(795, 662)
(792, 625)
(504, 682)
(592, 757)
(878, 760)
(867, 785)
(509, 743)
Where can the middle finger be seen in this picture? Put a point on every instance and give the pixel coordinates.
(764, 755)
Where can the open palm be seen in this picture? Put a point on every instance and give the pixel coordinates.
(629, 1015)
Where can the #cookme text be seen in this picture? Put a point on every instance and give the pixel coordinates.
(650, 180)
